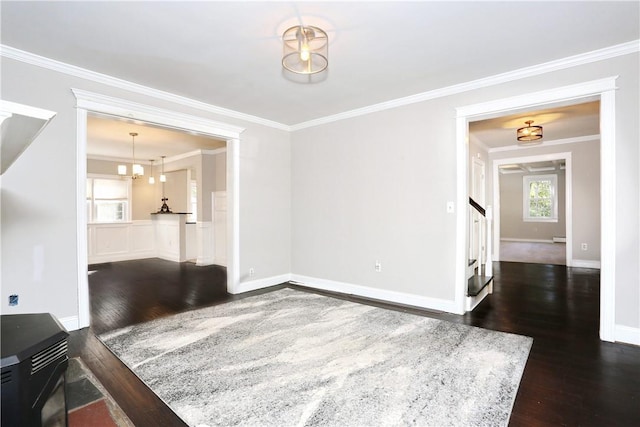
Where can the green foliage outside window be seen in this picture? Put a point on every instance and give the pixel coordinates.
(540, 199)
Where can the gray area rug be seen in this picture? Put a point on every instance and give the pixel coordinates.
(291, 358)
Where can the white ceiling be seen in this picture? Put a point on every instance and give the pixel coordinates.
(108, 137)
(228, 53)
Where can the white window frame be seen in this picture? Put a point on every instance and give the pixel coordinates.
(128, 212)
(526, 184)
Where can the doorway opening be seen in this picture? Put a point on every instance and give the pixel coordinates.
(602, 90)
(91, 103)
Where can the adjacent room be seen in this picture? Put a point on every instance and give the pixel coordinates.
(320, 213)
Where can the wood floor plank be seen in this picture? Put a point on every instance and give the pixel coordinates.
(571, 377)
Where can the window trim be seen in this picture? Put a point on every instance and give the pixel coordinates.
(129, 209)
(526, 183)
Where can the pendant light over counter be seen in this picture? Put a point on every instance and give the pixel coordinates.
(136, 169)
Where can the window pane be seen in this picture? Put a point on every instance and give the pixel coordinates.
(109, 188)
(110, 211)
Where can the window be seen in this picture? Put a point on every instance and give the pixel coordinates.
(540, 198)
(108, 199)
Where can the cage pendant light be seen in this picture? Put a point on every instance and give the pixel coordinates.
(305, 50)
(529, 134)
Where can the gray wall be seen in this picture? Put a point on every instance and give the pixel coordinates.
(585, 164)
(511, 224)
(38, 198)
(324, 202)
(375, 187)
(176, 189)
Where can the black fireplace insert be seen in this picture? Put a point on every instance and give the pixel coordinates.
(34, 362)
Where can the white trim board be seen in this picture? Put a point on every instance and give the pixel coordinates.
(266, 282)
(88, 101)
(585, 263)
(605, 89)
(375, 293)
(70, 323)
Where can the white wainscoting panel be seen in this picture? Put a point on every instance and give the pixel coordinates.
(120, 242)
(192, 240)
(204, 237)
(168, 240)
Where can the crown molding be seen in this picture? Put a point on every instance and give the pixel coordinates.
(535, 70)
(547, 67)
(72, 70)
(563, 141)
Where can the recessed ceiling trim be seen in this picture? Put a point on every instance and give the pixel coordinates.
(547, 143)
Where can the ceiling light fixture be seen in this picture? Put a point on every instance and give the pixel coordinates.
(163, 177)
(136, 169)
(305, 50)
(152, 180)
(529, 133)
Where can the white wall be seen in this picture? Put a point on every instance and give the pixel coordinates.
(39, 251)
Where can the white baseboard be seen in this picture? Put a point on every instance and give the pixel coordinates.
(201, 261)
(584, 263)
(510, 239)
(627, 334)
(70, 323)
(374, 293)
(262, 283)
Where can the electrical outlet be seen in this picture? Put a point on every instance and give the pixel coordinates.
(378, 266)
(584, 247)
(450, 207)
(13, 300)
(251, 272)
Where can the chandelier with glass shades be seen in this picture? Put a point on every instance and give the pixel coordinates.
(136, 169)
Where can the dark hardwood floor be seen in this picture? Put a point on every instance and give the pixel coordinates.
(571, 377)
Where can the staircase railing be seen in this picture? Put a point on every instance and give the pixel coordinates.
(482, 241)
